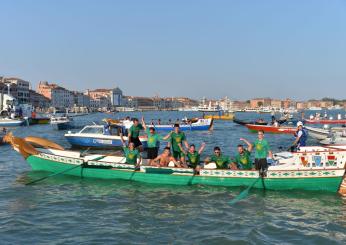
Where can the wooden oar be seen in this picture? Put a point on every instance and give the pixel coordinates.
(244, 193)
(55, 174)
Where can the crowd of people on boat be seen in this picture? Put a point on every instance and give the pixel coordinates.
(182, 154)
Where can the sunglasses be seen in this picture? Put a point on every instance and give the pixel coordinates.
(216, 151)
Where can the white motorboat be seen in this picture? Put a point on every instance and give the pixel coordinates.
(99, 136)
(335, 140)
(208, 108)
(61, 122)
(324, 133)
(9, 122)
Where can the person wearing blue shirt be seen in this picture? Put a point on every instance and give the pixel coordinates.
(301, 137)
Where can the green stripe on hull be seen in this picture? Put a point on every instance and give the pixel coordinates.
(318, 184)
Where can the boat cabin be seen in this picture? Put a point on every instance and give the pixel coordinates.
(115, 130)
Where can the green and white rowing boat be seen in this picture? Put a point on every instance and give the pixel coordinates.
(313, 168)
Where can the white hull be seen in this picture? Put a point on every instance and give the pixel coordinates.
(339, 140)
(318, 133)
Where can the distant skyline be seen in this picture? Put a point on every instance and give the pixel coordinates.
(240, 49)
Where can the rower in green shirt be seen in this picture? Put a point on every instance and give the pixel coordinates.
(132, 155)
(242, 159)
(221, 161)
(133, 134)
(262, 151)
(194, 156)
(152, 143)
(176, 139)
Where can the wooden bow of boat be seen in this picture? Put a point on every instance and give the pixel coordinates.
(40, 142)
(20, 145)
(28, 146)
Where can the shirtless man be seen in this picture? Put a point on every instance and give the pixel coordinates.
(164, 159)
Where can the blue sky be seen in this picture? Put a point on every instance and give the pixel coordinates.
(235, 48)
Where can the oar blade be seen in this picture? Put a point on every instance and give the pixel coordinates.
(240, 197)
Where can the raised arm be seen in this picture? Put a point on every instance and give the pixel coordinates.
(186, 144)
(201, 149)
(122, 140)
(249, 145)
(143, 124)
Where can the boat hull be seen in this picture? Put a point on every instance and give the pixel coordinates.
(222, 117)
(96, 142)
(271, 129)
(35, 121)
(182, 127)
(325, 121)
(318, 133)
(15, 123)
(202, 124)
(276, 180)
(241, 122)
(62, 126)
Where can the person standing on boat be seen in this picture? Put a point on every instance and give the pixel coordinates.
(273, 116)
(242, 159)
(132, 154)
(262, 151)
(177, 138)
(153, 142)
(133, 134)
(301, 136)
(221, 161)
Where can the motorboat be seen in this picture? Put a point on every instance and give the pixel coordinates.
(100, 136)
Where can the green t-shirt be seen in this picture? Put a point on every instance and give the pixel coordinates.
(176, 139)
(243, 160)
(153, 139)
(134, 130)
(131, 156)
(193, 158)
(221, 161)
(261, 149)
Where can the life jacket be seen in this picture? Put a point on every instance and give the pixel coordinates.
(303, 138)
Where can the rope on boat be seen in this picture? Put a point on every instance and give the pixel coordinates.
(55, 174)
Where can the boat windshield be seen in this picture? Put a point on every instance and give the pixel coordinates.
(92, 130)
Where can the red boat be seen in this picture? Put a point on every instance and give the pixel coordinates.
(271, 129)
(325, 121)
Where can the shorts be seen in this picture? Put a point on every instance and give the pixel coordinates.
(152, 152)
(178, 154)
(136, 141)
(261, 164)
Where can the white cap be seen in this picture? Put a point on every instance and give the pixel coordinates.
(299, 123)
